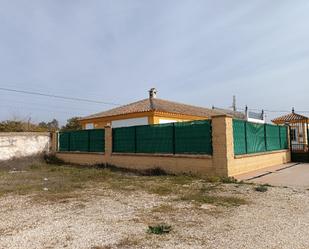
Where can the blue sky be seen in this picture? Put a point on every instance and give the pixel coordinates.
(197, 52)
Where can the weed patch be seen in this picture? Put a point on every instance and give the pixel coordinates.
(159, 229)
(261, 188)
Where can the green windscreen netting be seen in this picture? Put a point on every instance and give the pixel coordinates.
(64, 141)
(255, 138)
(79, 140)
(239, 131)
(174, 138)
(97, 140)
(124, 139)
(284, 137)
(193, 137)
(273, 137)
(83, 140)
(154, 139)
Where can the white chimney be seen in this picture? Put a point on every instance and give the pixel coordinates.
(152, 93)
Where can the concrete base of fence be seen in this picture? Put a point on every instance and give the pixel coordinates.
(169, 163)
(221, 163)
(251, 162)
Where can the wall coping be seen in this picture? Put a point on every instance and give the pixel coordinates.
(80, 152)
(260, 154)
(163, 155)
(39, 133)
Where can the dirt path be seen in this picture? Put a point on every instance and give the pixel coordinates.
(102, 219)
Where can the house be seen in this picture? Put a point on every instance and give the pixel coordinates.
(152, 110)
(298, 129)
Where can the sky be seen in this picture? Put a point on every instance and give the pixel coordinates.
(199, 52)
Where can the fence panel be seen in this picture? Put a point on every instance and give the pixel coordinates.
(239, 131)
(83, 140)
(79, 140)
(124, 140)
(97, 140)
(273, 137)
(255, 138)
(284, 137)
(64, 141)
(154, 139)
(193, 137)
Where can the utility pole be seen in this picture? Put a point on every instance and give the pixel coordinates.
(234, 104)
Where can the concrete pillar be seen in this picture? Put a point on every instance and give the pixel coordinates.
(53, 142)
(222, 142)
(108, 142)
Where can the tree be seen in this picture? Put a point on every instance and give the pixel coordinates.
(12, 126)
(53, 125)
(72, 124)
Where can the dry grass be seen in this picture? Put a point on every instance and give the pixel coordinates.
(52, 183)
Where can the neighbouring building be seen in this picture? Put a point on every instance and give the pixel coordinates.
(298, 129)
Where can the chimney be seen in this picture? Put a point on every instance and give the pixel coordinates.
(152, 93)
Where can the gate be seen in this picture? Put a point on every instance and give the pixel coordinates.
(299, 149)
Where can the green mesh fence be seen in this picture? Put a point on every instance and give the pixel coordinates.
(83, 141)
(97, 140)
(255, 138)
(193, 137)
(273, 137)
(239, 131)
(79, 140)
(124, 140)
(64, 141)
(284, 137)
(174, 138)
(154, 139)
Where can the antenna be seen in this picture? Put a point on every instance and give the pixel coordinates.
(234, 103)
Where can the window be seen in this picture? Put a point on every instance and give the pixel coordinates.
(89, 126)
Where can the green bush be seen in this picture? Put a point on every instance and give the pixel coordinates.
(159, 229)
(261, 188)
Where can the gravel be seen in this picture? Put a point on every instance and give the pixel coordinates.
(104, 219)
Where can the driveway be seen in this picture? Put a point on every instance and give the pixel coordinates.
(293, 174)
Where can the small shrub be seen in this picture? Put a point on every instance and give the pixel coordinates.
(229, 180)
(52, 159)
(159, 229)
(261, 188)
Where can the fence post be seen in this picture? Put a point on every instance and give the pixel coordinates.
(69, 139)
(174, 142)
(222, 142)
(135, 140)
(246, 138)
(280, 142)
(88, 134)
(108, 141)
(265, 137)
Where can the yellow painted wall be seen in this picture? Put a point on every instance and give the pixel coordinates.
(153, 118)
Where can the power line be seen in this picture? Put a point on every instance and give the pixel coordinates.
(58, 96)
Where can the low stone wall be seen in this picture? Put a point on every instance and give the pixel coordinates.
(169, 163)
(251, 162)
(23, 144)
(82, 158)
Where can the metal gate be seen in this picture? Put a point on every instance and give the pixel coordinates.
(299, 148)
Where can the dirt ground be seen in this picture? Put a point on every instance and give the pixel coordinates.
(92, 211)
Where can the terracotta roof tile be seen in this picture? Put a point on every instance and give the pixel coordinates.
(289, 118)
(161, 105)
